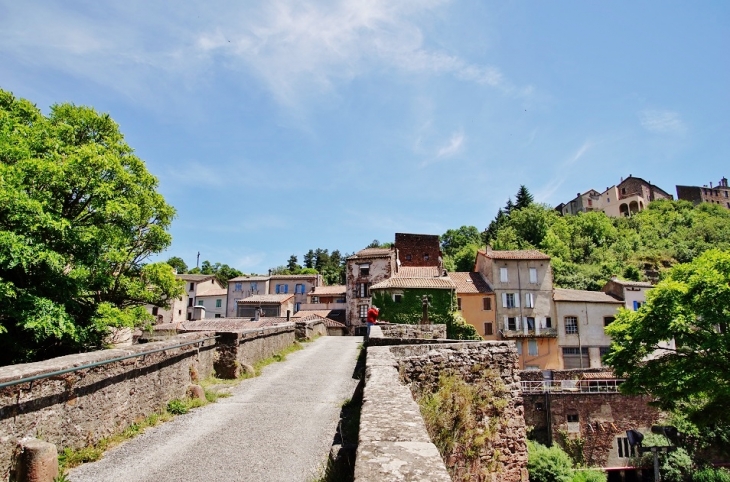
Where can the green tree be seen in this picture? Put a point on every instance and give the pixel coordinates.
(292, 265)
(178, 263)
(523, 198)
(548, 464)
(690, 306)
(222, 272)
(309, 259)
(453, 240)
(79, 216)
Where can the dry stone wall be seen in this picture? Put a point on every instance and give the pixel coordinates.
(84, 406)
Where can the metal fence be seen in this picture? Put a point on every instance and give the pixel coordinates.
(572, 386)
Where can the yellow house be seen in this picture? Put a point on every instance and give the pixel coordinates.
(475, 301)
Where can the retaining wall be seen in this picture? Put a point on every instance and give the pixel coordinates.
(84, 406)
(238, 349)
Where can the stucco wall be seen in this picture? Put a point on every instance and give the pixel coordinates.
(82, 407)
(472, 309)
(591, 333)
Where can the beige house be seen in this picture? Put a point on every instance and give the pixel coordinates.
(581, 319)
(242, 287)
(523, 286)
(632, 293)
(326, 298)
(476, 302)
(198, 287)
(259, 306)
(214, 302)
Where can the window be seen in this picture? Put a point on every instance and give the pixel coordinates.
(408, 257)
(192, 287)
(530, 322)
(363, 310)
(297, 307)
(571, 325)
(364, 270)
(573, 417)
(218, 303)
(282, 289)
(487, 304)
(603, 350)
(533, 275)
(362, 290)
(397, 298)
(217, 315)
(299, 288)
(574, 351)
(539, 407)
(201, 303)
(529, 300)
(488, 330)
(458, 304)
(155, 310)
(509, 300)
(623, 190)
(339, 300)
(425, 257)
(512, 323)
(532, 347)
(254, 286)
(503, 276)
(624, 449)
(519, 347)
(190, 302)
(179, 312)
(637, 305)
(190, 316)
(315, 299)
(238, 287)
(548, 322)
(607, 320)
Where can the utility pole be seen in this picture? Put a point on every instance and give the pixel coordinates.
(197, 263)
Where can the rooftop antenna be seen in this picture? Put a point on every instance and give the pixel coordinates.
(197, 263)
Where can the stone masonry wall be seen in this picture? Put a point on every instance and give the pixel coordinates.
(84, 406)
(414, 331)
(306, 330)
(237, 349)
(506, 452)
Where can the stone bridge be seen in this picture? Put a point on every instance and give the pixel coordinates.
(275, 427)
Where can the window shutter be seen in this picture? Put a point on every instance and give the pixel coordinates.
(517, 300)
(506, 323)
(504, 301)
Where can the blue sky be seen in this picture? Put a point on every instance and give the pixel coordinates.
(281, 126)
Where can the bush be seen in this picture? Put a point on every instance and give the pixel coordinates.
(711, 475)
(548, 464)
(589, 475)
(177, 407)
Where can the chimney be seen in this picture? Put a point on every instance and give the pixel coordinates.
(257, 314)
(269, 271)
(710, 185)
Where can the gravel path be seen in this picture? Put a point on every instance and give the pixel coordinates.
(276, 427)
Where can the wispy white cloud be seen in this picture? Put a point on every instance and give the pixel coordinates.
(662, 121)
(545, 193)
(454, 146)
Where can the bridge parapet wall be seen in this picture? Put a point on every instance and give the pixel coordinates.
(394, 443)
(83, 406)
(306, 330)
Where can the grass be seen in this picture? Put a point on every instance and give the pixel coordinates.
(70, 458)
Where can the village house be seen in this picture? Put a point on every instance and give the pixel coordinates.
(581, 317)
(363, 269)
(476, 302)
(242, 287)
(199, 288)
(258, 306)
(632, 293)
(523, 284)
(719, 194)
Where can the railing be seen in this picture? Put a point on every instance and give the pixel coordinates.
(541, 333)
(572, 386)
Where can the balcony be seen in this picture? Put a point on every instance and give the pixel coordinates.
(572, 386)
(521, 333)
(323, 306)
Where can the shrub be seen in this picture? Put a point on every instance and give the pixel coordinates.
(589, 475)
(711, 475)
(548, 464)
(177, 407)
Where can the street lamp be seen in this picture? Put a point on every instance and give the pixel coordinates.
(636, 438)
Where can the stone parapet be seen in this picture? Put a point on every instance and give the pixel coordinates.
(83, 406)
(306, 330)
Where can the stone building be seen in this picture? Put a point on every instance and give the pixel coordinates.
(523, 284)
(418, 249)
(719, 194)
(364, 269)
(281, 305)
(476, 302)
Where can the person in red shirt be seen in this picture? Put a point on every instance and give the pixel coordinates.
(373, 313)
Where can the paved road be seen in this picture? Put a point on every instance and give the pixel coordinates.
(276, 427)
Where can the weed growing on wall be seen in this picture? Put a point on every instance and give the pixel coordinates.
(464, 419)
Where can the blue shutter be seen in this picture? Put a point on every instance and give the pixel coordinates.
(636, 305)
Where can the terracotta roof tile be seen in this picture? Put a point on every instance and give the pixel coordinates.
(195, 277)
(584, 296)
(216, 291)
(266, 298)
(372, 253)
(425, 283)
(418, 272)
(519, 254)
(249, 278)
(638, 284)
(329, 290)
(470, 283)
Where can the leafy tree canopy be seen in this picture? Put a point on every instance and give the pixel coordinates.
(79, 216)
(222, 272)
(692, 307)
(178, 263)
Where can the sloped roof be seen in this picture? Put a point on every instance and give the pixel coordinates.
(266, 299)
(638, 284)
(336, 315)
(517, 254)
(293, 276)
(249, 278)
(424, 283)
(560, 294)
(372, 253)
(329, 290)
(418, 272)
(216, 291)
(195, 277)
(470, 282)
